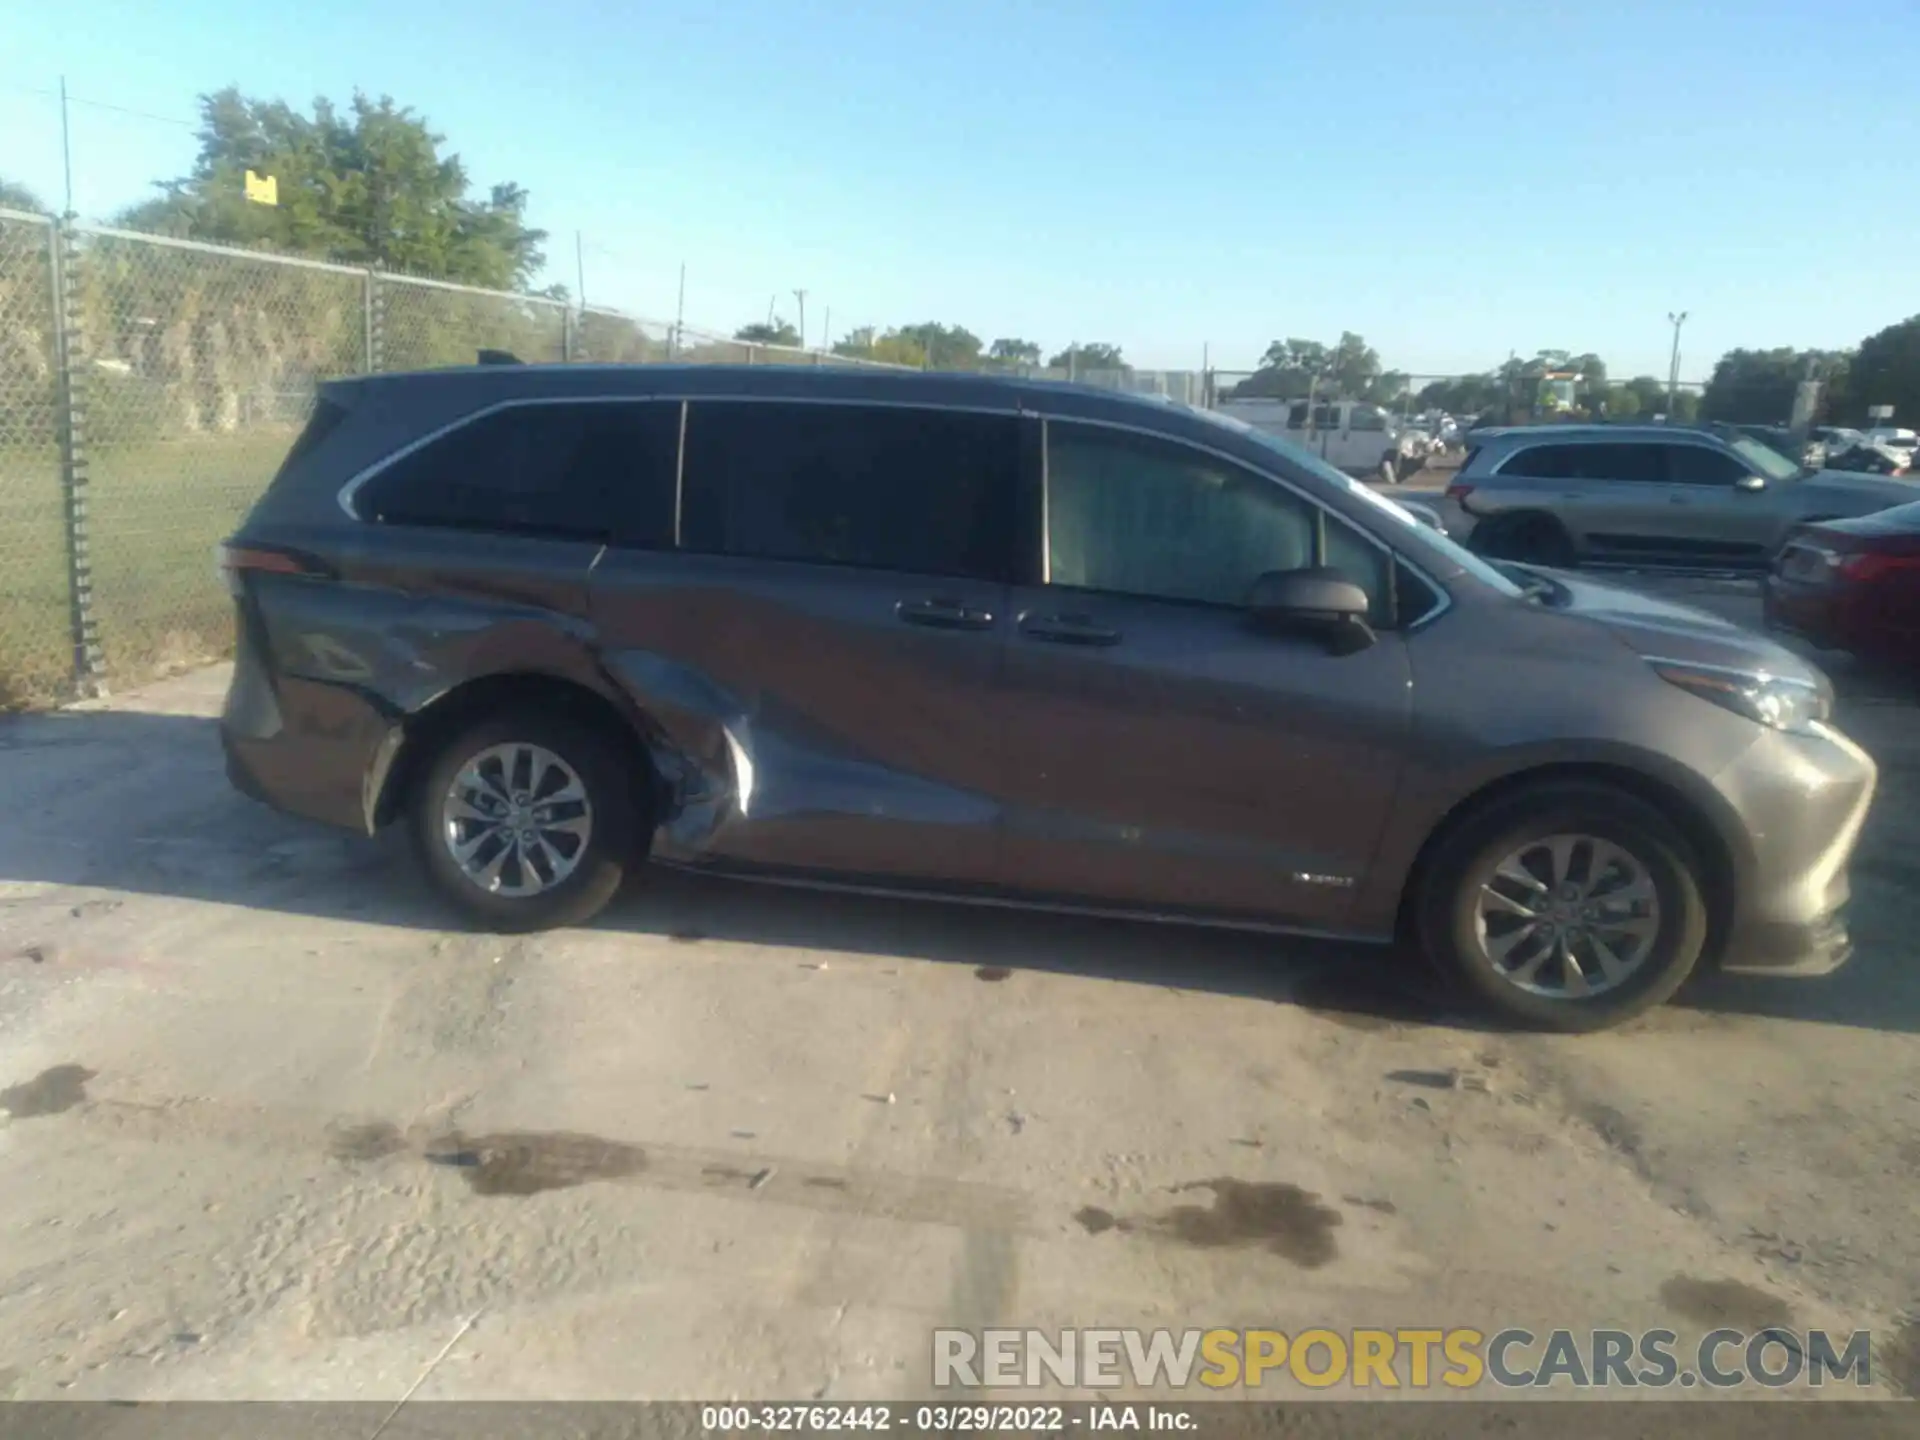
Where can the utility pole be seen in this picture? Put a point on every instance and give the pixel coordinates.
(800, 298)
(1673, 367)
(66, 147)
(580, 266)
(680, 312)
(826, 330)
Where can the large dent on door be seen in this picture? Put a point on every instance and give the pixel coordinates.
(735, 768)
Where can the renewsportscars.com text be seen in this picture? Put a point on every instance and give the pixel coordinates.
(1458, 1359)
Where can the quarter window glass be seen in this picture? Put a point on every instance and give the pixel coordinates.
(1538, 462)
(1365, 417)
(1139, 516)
(931, 492)
(562, 471)
(1697, 465)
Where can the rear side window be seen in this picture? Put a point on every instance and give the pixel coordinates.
(324, 420)
(571, 471)
(1539, 462)
(1365, 417)
(1630, 464)
(1697, 465)
(925, 491)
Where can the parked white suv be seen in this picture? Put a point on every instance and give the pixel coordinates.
(1350, 435)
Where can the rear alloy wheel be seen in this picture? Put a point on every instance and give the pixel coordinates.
(1570, 907)
(525, 822)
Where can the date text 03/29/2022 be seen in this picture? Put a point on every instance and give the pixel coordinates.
(817, 1416)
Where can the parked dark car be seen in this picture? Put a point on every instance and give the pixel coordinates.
(1005, 641)
(1853, 585)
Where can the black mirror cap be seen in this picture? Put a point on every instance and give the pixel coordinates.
(1318, 600)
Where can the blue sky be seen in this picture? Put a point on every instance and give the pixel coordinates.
(1452, 180)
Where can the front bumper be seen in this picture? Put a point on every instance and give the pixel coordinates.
(1803, 800)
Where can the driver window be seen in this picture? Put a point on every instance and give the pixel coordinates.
(1140, 516)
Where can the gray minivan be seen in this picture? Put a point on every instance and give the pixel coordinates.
(1003, 641)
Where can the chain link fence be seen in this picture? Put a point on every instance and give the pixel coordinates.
(36, 656)
(149, 388)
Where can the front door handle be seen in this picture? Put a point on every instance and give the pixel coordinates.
(1069, 630)
(943, 614)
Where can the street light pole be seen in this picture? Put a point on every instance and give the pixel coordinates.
(1673, 365)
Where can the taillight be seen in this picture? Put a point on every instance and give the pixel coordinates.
(235, 560)
(1870, 565)
(1458, 492)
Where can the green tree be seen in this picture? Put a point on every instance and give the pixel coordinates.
(1757, 386)
(15, 196)
(1095, 355)
(1886, 371)
(367, 187)
(944, 347)
(781, 332)
(1293, 368)
(1014, 352)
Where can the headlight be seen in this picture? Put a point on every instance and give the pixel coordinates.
(1779, 701)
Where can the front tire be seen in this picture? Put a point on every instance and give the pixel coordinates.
(525, 821)
(1569, 907)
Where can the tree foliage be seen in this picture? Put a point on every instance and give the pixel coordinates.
(780, 332)
(1014, 352)
(15, 196)
(367, 187)
(1093, 355)
(1349, 369)
(1886, 371)
(1757, 387)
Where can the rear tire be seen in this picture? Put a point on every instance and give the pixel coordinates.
(1635, 930)
(525, 821)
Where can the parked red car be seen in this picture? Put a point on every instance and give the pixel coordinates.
(1852, 585)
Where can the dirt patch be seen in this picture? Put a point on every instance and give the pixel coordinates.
(374, 1140)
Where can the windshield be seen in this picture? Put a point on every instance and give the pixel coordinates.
(1764, 459)
(1429, 544)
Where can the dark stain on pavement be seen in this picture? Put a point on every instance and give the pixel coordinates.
(1096, 1221)
(1275, 1216)
(53, 1090)
(991, 972)
(1730, 1303)
(1426, 1079)
(374, 1140)
(825, 1182)
(1384, 1206)
(529, 1162)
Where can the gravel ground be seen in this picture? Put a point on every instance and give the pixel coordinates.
(273, 1131)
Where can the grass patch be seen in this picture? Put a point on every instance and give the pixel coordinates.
(156, 512)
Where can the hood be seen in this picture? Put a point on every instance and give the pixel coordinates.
(1651, 626)
(1858, 485)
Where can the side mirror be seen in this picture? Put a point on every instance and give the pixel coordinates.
(1750, 483)
(1318, 601)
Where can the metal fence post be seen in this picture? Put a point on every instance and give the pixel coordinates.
(366, 322)
(376, 323)
(70, 424)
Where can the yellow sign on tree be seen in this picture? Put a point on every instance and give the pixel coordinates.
(263, 189)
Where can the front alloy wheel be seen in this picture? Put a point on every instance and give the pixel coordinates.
(526, 820)
(1568, 916)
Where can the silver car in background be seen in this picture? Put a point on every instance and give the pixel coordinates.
(1709, 497)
